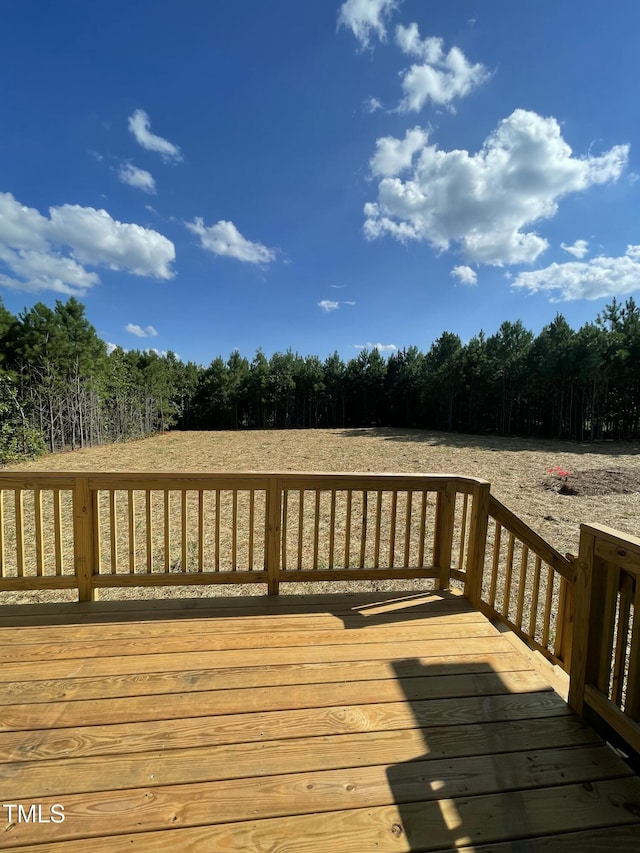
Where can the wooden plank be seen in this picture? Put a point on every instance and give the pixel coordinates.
(583, 597)
(131, 516)
(546, 618)
(332, 528)
(252, 513)
(93, 712)
(217, 534)
(407, 826)
(443, 534)
(495, 564)
(39, 542)
(376, 546)
(444, 613)
(2, 551)
(508, 575)
(83, 537)
(347, 530)
(632, 700)
(166, 502)
(274, 515)
(622, 632)
(292, 755)
(162, 661)
(137, 764)
(316, 529)
(57, 532)
(195, 680)
(423, 527)
(113, 532)
(363, 529)
(234, 530)
(296, 636)
(300, 527)
(320, 791)
(623, 839)
(148, 530)
(183, 530)
(408, 519)
(200, 565)
(522, 583)
(392, 527)
(476, 551)
(369, 602)
(535, 595)
(463, 530)
(32, 583)
(19, 531)
(283, 534)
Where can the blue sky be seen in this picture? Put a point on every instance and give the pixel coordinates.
(207, 176)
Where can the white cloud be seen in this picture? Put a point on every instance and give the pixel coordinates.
(372, 104)
(43, 253)
(484, 201)
(579, 249)
(138, 178)
(465, 275)
(223, 238)
(366, 18)
(97, 239)
(442, 77)
(396, 155)
(134, 329)
(379, 347)
(595, 279)
(330, 305)
(337, 286)
(139, 125)
(111, 347)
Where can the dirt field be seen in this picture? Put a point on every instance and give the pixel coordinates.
(605, 477)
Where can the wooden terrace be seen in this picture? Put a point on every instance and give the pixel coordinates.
(355, 722)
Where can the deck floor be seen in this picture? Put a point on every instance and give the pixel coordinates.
(355, 723)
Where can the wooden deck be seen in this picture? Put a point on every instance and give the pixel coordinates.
(350, 723)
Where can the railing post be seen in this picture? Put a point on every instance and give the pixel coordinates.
(443, 543)
(564, 631)
(274, 513)
(477, 543)
(83, 544)
(580, 663)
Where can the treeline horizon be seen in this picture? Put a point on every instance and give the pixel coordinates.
(61, 389)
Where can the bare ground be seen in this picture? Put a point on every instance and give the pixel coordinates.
(603, 487)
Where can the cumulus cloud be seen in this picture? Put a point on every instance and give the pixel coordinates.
(134, 329)
(223, 238)
(465, 275)
(379, 347)
(365, 18)
(50, 253)
(138, 178)
(595, 279)
(440, 77)
(139, 125)
(394, 156)
(484, 201)
(579, 249)
(111, 347)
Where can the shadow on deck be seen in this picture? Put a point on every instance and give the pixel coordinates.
(356, 723)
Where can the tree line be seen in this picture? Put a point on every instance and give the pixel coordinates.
(61, 389)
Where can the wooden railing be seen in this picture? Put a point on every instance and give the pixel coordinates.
(93, 531)
(527, 584)
(605, 665)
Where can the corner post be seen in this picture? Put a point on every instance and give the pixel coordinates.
(443, 544)
(580, 646)
(83, 544)
(274, 513)
(474, 570)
